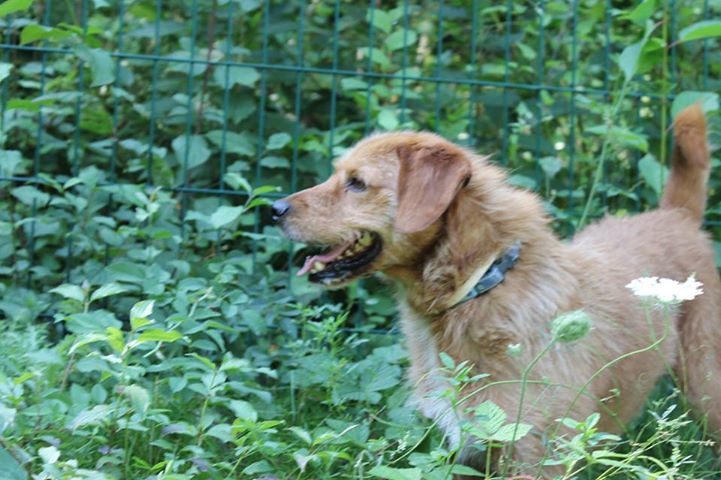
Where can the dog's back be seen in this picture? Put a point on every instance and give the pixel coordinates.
(669, 243)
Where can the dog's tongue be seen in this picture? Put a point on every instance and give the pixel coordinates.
(325, 258)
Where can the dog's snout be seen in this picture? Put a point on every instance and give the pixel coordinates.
(280, 208)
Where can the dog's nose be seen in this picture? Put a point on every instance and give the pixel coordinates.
(280, 208)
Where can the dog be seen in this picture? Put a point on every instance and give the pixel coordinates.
(436, 218)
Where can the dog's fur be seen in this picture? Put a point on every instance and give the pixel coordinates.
(444, 212)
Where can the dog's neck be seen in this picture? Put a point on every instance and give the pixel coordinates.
(486, 218)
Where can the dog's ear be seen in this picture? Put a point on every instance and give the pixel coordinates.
(428, 180)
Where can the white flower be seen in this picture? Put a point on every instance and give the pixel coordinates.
(665, 290)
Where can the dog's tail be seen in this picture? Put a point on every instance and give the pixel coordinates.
(690, 164)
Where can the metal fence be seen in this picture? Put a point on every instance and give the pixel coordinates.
(192, 95)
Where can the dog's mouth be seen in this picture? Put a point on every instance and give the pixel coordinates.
(344, 261)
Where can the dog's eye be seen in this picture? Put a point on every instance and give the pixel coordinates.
(355, 184)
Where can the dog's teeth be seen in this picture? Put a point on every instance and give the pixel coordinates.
(317, 267)
(365, 240)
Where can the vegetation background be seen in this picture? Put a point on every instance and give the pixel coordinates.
(150, 326)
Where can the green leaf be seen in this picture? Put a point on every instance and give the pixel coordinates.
(447, 360)
(50, 455)
(127, 272)
(505, 433)
(159, 335)
(353, 84)
(30, 195)
(101, 65)
(634, 55)
(115, 339)
(29, 105)
(389, 473)
(709, 101)
(139, 314)
(142, 309)
(467, 471)
(700, 30)
(258, 202)
(245, 76)
(550, 166)
(628, 60)
(395, 39)
(651, 55)
(195, 147)
(275, 162)
(237, 182)
(265, 189)
(139, 398)
(249, 5)
(91, 416)
(96, 119)
(96, 321)
(108, 290)
(33, 33)
(642, 12)
(10, 160)
(388, 120)
(7, 417)
(87, 339)
(302, 434)
(621, 136)
(260, 466)
(653, 173)
(489, 417)
(380, 19)
(243, 410)
(205, 361)
(225, 215)
(278, 140)
(5, 69)
(159, 27)
(375, 55)
(238, 143)
(12, 6)
(70, 291)
(380, 377)
(527, 52)
(10, 467)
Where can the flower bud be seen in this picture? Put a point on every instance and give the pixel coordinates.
(571, 326)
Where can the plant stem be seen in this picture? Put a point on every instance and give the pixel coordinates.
(524, 379)
(664, 92)
(604, 153)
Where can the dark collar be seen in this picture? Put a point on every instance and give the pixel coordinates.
(495, 274)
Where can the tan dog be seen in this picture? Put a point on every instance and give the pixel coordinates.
(434, 216)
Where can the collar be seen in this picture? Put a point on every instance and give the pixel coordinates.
(487, 277)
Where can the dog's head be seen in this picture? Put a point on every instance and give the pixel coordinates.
(381, 208)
